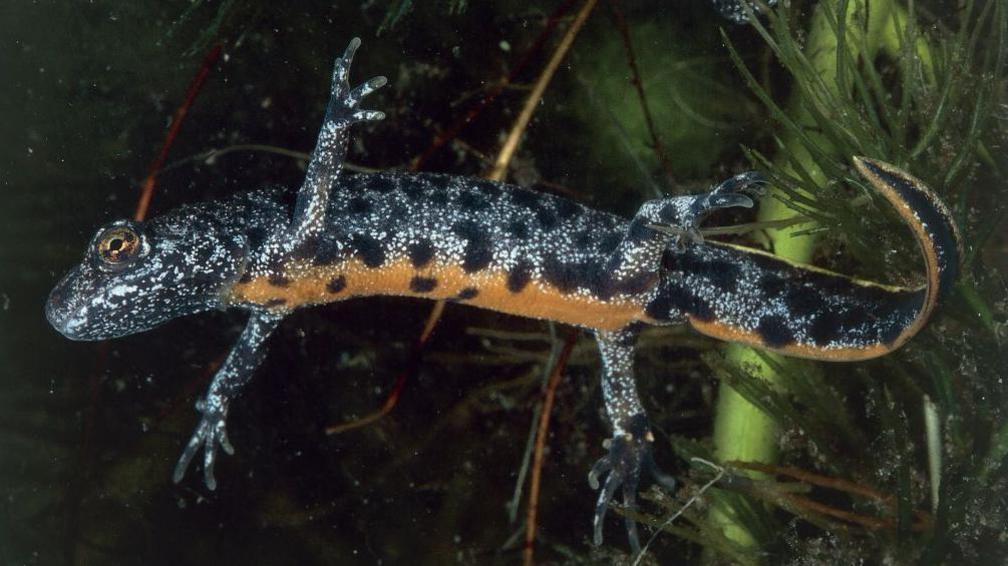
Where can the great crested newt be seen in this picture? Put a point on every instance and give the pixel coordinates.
(500, 247)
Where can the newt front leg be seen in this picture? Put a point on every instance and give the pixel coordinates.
(287, 244)
(237, 370)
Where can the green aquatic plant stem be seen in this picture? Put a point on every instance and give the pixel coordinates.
(743, 431)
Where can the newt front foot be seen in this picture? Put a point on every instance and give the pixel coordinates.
(630, 453)
(343, 103)
(210, 434)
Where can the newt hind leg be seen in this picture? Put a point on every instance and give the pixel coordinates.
(630, 448)
(673, 222)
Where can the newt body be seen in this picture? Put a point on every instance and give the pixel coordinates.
(441, 237)
(495, 246)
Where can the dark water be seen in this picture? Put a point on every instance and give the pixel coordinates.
(89, 432)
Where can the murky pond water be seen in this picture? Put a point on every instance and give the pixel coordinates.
(897, 459)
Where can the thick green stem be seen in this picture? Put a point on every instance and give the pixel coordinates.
(742, 431)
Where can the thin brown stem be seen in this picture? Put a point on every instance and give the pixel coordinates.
(638, 85)
(813, 479)
(806, 505)
(150, 183)
(452, 132)
(922, 524)
(499, 170)
(540, 447)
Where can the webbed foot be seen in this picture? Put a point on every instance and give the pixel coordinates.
(740, 190)
(210, 434)
(630, 453)
(685, 214)
(343, 101)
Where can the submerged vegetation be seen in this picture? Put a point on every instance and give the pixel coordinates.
(903, 459)
(867, 82)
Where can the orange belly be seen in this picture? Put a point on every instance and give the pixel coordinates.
(313, 285)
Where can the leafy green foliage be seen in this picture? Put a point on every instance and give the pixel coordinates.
(928, 102)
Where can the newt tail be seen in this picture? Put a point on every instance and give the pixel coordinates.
(748, 296)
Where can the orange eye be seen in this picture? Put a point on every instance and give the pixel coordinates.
(118, 245)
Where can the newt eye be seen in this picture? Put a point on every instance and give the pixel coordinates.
(118, 246)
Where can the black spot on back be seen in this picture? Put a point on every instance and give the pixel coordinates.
(395, 214)
(256, 236)
(719, 273)
(469, 200)
(439, 198)
(774, 331)
(421, 252)
(380, 183)
(422, 284)
(583, 238)
(275, 302)
(636, 284)
(413, 191)
(803, 302)
(204, 280)
(478, 249)
(660, 307)
(489, 188)
(519, 229)
(204, 254)
(854, 325)
(526, 198)
(359, 205)
(772, 285)
(547, 218)
(519, 276)
(337, 284)
(278, 280)
(368, 249)
(468, 293)
(568, 276)
(477, 257)
(306, 249)
(684, 300)
(606, 220)
(566, 209)
(563, 276)
(329, 250)
(825, 328)
(610, 241)
(669, 213)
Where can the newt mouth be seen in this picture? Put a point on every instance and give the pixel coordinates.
(60, 311)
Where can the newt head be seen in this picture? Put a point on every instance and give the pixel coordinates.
(135, 275)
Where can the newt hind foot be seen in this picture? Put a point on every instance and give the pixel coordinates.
(630, 455)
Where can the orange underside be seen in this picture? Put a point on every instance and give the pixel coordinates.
(308, 286)
(729, 333)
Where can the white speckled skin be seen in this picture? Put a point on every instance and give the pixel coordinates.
(653, 269)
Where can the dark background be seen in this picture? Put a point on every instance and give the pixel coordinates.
(89, 432)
